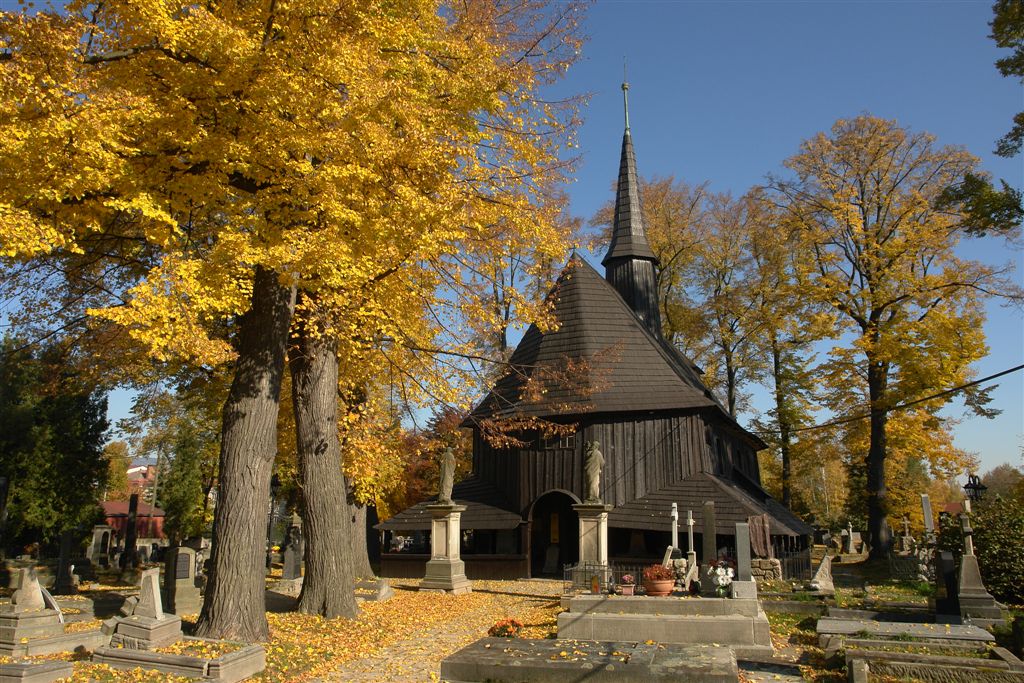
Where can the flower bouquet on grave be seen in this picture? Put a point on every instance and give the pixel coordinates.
(659, 579)
(721, 577)
(506, 628)
(627, 584)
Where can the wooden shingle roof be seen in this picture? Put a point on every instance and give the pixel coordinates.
(486, 508)
(732, 504)
(600, 359)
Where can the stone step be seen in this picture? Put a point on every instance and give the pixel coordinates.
(663, 606)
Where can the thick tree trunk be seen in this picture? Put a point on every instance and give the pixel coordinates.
(878, 503)
(360, 556)
(234, 604)
(782, 415)
(328, 587)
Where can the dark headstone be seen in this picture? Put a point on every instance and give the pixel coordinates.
(292, 557)
(64, 583)
(947, 598)
(129, 557)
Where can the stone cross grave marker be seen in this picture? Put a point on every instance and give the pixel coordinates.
(675, 525)
(692, 571)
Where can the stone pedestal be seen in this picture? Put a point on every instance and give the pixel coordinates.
(593, 532)
(144, 625)
(976, 602)
(446, 572)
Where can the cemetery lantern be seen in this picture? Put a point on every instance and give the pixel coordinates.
(974, 488)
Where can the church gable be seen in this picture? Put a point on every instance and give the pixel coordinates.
(601, 359)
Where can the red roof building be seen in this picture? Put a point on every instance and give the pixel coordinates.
(149, 520)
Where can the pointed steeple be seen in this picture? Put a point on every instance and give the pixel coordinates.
(630, 262)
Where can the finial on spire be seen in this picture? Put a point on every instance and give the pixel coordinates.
(625, 92)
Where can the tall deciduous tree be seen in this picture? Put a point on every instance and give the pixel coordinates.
(871, 200)
(248, 151)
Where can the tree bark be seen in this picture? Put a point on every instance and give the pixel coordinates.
(878, 503)
(360, 556)
(234, 604)
(328, 587)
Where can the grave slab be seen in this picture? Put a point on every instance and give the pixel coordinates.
(34, 672)
(228, 668)
(504, 660)
(831, 626)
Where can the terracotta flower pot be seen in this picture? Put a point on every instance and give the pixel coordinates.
(658, 587)
(627, 589)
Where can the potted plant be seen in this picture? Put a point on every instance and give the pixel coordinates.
(627, 584)
(658, 580)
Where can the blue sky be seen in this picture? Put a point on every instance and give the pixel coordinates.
(725, 91)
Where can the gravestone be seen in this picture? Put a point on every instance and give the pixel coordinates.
(26, 617)
(129, 556)
(28, 596)
(822, 581)
(291, 568)
(976, 603)
(99, 547)
(947, 599)
(692, 568)
(144, 625)
(743, 586)
(710, 548)
(929, 521)
(181, 596)
(65, 583)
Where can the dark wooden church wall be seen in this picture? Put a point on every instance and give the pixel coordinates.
(642, 454)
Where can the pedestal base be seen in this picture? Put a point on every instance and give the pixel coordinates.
(446, 576)
(593, 532)
(976, 603)
(146, 633)
(744, 589)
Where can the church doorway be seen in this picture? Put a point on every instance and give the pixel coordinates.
(554, 534)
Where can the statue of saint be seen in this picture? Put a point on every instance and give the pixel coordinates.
(447, 463)
(592, 464)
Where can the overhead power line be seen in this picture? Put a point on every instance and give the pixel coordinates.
(947, 392)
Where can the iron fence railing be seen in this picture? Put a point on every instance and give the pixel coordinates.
(796, 565)
(585, 578)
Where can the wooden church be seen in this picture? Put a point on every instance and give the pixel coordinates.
(664, 436)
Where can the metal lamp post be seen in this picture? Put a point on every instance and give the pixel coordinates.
(974, 488)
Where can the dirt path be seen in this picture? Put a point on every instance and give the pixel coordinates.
(418, 660)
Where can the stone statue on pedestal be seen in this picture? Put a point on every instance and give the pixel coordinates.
(592, 464)
(447, 464)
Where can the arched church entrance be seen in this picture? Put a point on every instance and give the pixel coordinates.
(554, 534)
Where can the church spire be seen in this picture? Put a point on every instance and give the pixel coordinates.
(630, 262)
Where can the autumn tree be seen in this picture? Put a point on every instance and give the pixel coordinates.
(241, 154)
(118, 461)
(873, 205)
(1002, 480)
